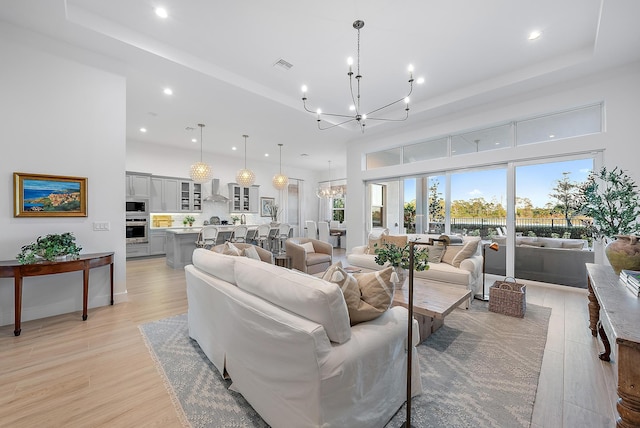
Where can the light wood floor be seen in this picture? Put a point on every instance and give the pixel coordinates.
(62, 371)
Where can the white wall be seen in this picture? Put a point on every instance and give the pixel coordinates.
(61, 118)
(173, 162)
(617, 88)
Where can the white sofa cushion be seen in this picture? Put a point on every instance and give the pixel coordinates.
(305, 295)
(216, 264)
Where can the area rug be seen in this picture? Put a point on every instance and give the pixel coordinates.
(480, 369)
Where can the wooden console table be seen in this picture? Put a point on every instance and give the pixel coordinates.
(614, 313)
(11, 268)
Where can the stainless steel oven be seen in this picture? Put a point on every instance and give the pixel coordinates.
(137, 230)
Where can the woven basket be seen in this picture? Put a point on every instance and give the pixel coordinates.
(508, 298)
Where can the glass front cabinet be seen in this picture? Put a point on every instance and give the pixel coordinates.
(243, 199)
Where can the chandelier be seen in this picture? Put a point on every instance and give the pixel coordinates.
(245, 177)
(280, 181)
(200, 172)
(329, 192)
(358, 115)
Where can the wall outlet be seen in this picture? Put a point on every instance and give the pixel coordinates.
(101, 226)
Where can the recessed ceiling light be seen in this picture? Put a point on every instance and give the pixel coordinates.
(535, 34)
(420, 80)
(266, 155)
(143, 129)
(167, 91)
(193, 140)
(162, 12)
(552, 136)
(234, 148)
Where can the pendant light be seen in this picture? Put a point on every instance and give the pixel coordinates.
(200, 172)
(245, 177)
(280, 181)
(329, 192)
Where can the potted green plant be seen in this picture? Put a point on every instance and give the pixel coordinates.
(50, 247)
(398, 257)
(235, 219)
(610, 198)
(188, 220)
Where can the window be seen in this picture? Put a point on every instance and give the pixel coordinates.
(337, 210)
(498, 137)
(553, 126)
(377, 205)
(573, 123)
(432, 149)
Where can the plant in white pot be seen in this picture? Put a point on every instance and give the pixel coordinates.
(51, 247)
(398, 257)
(611, 199)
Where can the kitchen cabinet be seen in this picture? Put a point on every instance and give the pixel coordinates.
(157, 242)
(138, 185)
(190, 196)
(243, 199)
(137, 250)
(164, 194)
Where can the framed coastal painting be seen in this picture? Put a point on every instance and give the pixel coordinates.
(40, 195)
(265, 206)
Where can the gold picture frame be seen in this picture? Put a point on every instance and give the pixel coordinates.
(42, 195)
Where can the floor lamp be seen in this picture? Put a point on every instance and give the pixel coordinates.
(412, 244)
(493, 246)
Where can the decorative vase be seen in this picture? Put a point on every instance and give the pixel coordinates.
(624, 253)
(399, 277)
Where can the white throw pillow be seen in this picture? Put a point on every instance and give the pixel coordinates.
(308, 247)
(252, 253)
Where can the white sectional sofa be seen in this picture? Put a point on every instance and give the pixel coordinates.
(285, 340)
(468, 274)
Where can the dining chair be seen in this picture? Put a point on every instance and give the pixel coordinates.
(239, 233)
(207, 237)
(312, 229)
(273, 238)
(323, 231)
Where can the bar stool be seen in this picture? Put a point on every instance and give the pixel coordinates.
(239, 234)
(207, 237)
(262, 236)
(283, 235)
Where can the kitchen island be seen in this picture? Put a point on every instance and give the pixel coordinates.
(182, 241)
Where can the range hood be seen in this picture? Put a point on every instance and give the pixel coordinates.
(215, 192)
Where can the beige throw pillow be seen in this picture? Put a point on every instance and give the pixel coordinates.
(308, 247)
(436, 252)
(450, 252)
(231, 250)
(469, 248)
(375, 239)
(368, 295)
(398, 240)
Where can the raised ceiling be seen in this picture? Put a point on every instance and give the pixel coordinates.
(219, 59)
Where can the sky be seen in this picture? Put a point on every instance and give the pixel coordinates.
(532, 181)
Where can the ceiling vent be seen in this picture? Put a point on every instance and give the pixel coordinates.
(282, 63)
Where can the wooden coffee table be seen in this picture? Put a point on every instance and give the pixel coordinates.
(432, 301)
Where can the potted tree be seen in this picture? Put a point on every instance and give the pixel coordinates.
(398, 257)
(610, 198)
(52, 247)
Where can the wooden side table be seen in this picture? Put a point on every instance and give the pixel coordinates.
(283, 260)
(85, 262)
